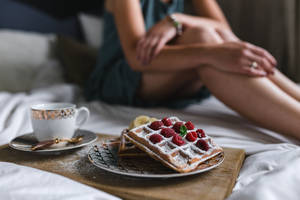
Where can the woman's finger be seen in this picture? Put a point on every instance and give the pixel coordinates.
(160, 44)
(263, 53)
(143, 50)
(262, 62)
(139, 48)
(150, 48)
(254, 72)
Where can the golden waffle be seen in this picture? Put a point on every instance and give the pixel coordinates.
(183, 158)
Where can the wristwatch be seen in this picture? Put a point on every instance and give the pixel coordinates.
(176, 24)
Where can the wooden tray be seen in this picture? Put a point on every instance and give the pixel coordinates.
(216, 184)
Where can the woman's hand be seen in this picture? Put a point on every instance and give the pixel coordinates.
(155, 39)
(238, 57)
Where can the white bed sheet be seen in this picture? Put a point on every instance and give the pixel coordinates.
(269, 171)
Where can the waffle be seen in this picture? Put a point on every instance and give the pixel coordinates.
(183, 158)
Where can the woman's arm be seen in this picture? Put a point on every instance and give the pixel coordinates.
(207, 14)
(130, 24)
(232, 57)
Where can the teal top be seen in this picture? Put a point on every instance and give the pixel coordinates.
(113, 80)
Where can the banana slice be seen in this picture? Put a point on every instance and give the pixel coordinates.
(140, 120)
(152, 119)
(131, 126)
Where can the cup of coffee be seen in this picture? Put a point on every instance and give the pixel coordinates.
(57, 120)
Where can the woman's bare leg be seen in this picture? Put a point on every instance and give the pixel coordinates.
(164, 86)
(208, 35)
(286, 84)
(270, 102)
(258, 99)
(278, 78)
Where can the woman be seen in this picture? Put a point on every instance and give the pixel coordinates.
(147, 59)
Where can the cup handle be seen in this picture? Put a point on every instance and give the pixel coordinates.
(82, 115)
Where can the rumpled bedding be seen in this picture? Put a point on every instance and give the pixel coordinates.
(20, 182)
(270, 170)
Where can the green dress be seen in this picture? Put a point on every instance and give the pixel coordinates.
(113, 81)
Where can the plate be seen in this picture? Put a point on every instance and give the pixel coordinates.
(24, 142)
(106, 158)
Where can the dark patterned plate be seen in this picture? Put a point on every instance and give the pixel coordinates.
(106, 157)
(25, 142)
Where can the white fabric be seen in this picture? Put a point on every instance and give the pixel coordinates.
(269, 171)
(21, 56)
(19, 182)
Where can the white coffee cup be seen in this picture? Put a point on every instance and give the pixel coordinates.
(57, 120)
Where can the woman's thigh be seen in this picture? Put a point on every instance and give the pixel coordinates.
(162, 86)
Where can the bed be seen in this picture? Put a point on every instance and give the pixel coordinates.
(270, 170)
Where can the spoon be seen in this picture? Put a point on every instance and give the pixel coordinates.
(48, 143)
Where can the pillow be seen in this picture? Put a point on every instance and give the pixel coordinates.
(78, 60)
(21, 57)
(32, 15)
(92, 28)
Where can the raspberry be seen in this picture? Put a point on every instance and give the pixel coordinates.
(177, 139)
(202, 144)
(192, 136)
(189, 125)
(177, 126)
(156, 125)
(166, 121)
(167, 132)
(201, 133)
(155, 138)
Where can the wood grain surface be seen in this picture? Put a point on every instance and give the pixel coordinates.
(216, 184)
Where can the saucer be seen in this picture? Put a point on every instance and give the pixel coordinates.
(25, 142)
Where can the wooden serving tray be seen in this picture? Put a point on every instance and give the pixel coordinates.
(216, 184)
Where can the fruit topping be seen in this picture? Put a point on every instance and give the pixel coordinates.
(167, 132)
(140, 120)
(155, 138)
(177, 126)
(202, 144)
(191, 136)
(156, 125)
(166, 121)
(189, 125)
(177, 139)
(201, 133)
